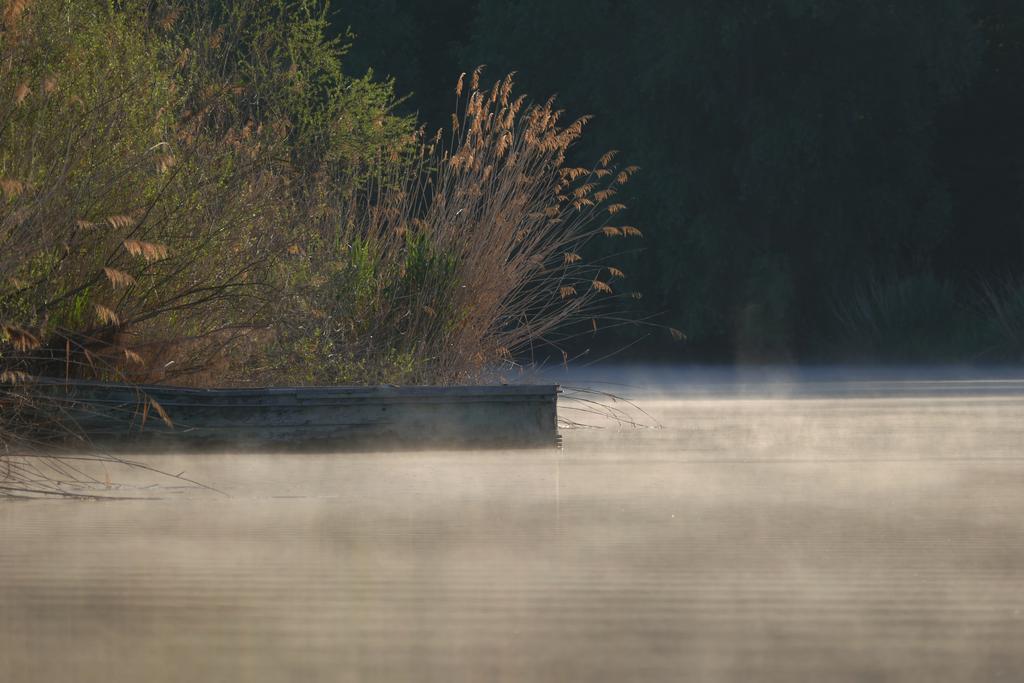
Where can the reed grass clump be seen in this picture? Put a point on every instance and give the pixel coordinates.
(921, 318)
(899, 318)
(445, 269)
(1002, 302)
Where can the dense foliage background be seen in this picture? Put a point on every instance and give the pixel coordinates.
(821, 179)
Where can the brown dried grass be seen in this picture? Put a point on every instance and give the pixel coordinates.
(500, 204)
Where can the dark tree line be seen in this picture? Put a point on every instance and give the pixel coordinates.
(821, 179)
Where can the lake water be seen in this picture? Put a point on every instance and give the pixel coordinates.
(759, 528)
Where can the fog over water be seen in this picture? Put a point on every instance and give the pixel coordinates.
(758, 525)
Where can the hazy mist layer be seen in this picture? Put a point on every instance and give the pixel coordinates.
(834, 534)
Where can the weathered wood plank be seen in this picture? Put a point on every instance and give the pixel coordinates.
(321, 418)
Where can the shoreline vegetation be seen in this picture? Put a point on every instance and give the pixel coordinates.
(200, 196)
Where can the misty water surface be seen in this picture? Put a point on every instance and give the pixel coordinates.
(775, 527)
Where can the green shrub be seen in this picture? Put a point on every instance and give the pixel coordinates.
(155, 163)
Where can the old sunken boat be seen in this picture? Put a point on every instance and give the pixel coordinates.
(166, 418)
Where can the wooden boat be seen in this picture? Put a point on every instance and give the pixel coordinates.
(164, 418)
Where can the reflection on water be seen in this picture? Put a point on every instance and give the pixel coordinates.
(815, 537)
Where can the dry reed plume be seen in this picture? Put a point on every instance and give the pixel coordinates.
(476, 249)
